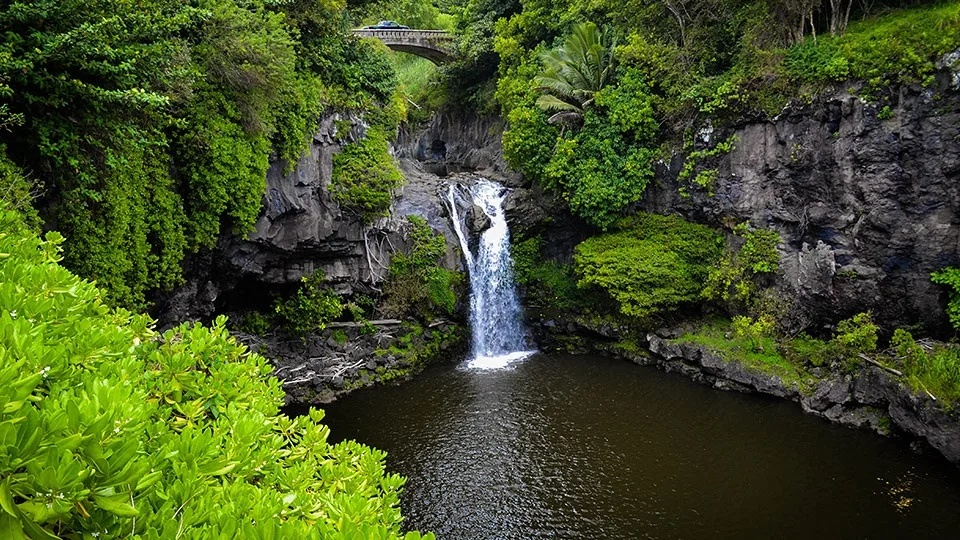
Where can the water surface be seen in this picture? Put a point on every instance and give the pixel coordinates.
(590, 447)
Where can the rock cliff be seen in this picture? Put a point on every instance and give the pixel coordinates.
(866, 200)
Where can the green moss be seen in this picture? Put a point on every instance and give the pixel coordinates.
(760, 353)
(365, 175)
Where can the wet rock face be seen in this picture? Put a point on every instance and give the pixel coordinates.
(454, 142)
(867, 206)
(301, 229)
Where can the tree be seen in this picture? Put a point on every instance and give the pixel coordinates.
(575, 72)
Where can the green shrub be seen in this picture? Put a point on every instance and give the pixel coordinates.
(854, 336)
(548, 284)
(936, 372)
(735, 277)
(364, 176)
(311, 308)
(950, 276)
(115, 431)
(417, 285)
(255, 323)
(654, 264)
(753, 331)
(16, 192)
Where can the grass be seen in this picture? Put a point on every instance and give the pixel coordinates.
(936, 372)
(417, 76)
(761, 354)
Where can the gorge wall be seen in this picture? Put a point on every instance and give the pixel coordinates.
(866, 200)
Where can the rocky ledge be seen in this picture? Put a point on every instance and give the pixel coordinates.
(320, 367)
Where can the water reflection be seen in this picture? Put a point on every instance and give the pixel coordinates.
(579, 447)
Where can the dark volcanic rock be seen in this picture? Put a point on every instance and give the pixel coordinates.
(458, 142)
(866, 207)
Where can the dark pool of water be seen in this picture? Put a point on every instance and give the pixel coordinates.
(589, 447)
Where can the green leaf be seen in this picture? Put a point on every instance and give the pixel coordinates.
(10, 528)
(149, 480)
(116, 504)
(6, 498)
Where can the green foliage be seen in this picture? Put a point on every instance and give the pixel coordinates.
(896, 47)
(311, 308)
(950, 276)
(598, 172)
(364, 176)
(153, 122)
(417, 285)
(416, 347)
(115, 431)
(758, 351)
(753, 331)
(653, 264)
(735, 277)
(705, 178)
(16, 192)
(253, 322)
(759, 251)
(805, 349)
(339, 336)
(576, 71)
(548, 284)
(599, 168)
(936, 372)
(854, 336)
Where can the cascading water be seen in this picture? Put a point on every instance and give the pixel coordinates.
(495, 311)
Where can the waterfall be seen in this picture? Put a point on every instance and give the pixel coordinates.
(495, 312)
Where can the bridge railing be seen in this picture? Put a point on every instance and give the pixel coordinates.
(432, 35)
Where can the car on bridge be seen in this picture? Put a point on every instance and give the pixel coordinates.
(387, 25)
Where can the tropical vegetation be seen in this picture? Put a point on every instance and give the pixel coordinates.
(110, 429)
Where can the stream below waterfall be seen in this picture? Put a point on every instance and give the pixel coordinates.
(591, 447)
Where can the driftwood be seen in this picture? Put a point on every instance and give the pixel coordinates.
(871, 361)
(379, 322)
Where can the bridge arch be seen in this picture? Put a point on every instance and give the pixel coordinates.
(434, 45)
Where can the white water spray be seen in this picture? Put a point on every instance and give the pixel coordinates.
(495, 312)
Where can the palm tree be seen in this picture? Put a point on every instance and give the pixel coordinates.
(575, 72)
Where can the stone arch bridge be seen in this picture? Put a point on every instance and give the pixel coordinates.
(434, 45)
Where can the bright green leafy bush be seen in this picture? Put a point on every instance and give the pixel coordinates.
(936, 371)
(311, 308)
(853, 337)
(652, 264)
(111, 430)
(753, 331)
(735, 276)
(950, 276)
